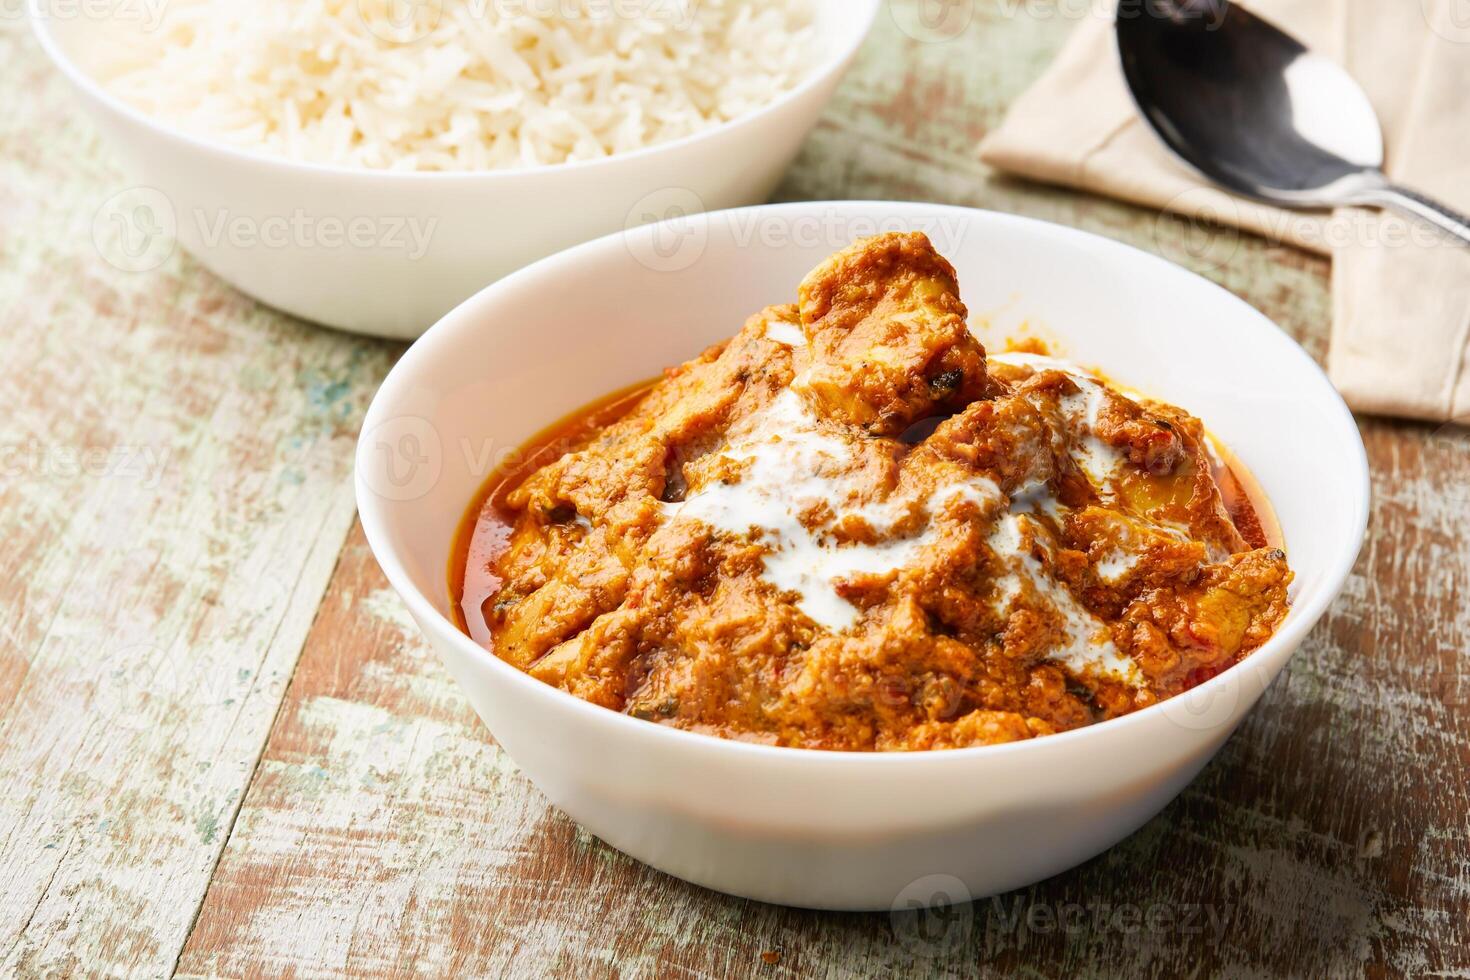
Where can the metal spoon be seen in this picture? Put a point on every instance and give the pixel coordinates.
(1250, 108)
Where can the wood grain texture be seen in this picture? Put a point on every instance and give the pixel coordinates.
(385, 834)
(174, 491)
(388, 836)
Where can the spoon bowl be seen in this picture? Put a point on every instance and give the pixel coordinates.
(1251, 109)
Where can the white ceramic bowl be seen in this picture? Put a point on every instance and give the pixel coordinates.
(280, 230)
(825, 829)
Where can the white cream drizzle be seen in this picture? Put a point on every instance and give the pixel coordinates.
(1088, 650)
(791, 464)
(1036, 496)
(1098, 460)
(785, 333)
(1114, 565)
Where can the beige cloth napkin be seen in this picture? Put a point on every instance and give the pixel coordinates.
(1401, 292)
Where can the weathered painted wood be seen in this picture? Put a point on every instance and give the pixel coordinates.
(387, 835)
(384, 834)
(174, 491)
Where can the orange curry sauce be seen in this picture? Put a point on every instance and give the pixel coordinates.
(486, 525)
(485, 528)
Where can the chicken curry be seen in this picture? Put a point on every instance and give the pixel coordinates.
(849, 527)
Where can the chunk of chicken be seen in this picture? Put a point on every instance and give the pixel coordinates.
(886, 329)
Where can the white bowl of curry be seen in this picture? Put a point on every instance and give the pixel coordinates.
(954, 553)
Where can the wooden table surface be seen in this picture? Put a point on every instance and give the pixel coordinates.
(225, 751)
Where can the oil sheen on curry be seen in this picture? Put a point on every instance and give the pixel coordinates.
(848, 528)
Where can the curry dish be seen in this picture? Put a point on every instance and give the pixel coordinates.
(848, 528)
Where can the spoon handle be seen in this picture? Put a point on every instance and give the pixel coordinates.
(1416, 205)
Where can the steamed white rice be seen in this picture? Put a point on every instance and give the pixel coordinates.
(460, 84)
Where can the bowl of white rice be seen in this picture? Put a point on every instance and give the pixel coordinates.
(368, 164)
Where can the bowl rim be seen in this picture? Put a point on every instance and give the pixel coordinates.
(834, 63)
(469, 315)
